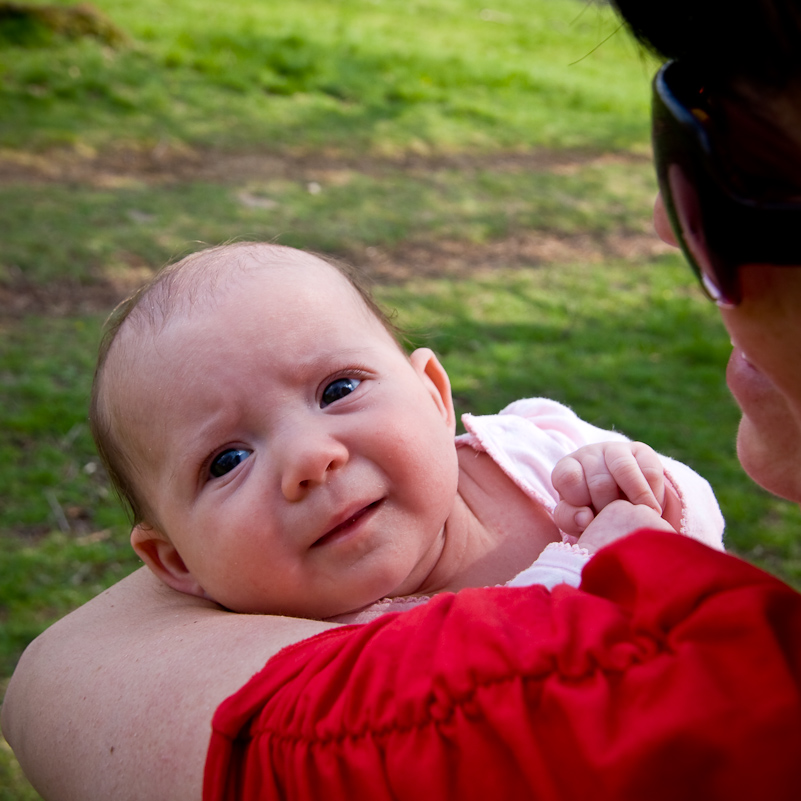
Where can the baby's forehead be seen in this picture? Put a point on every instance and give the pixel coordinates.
(204, 285)
(191, 296)
(255, 282)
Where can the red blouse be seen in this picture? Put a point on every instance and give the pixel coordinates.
(674, 672)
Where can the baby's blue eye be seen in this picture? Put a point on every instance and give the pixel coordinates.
(338, 389)
(227, 461)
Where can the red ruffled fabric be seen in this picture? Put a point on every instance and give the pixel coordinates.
(674, 672)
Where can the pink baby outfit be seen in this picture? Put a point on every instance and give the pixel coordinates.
(526, 440)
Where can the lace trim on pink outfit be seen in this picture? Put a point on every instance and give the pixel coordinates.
(381, 608)
(566, 547)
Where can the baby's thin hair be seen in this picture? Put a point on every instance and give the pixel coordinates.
(176, 288)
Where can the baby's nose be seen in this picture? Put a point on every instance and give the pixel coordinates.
(310, 460)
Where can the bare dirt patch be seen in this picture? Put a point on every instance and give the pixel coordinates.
(164, 164)
(441, 258)
(446, 258)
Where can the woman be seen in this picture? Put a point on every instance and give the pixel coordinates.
(673, 671)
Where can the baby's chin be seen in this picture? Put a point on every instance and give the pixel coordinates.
(391, 575)
(322, 610)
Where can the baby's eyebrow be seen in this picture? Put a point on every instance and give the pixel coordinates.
(325, 361)
(199, 442)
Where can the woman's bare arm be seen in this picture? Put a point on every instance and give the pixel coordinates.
(115, 701)
(123, 691)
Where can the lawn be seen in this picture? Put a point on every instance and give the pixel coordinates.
(487, 167)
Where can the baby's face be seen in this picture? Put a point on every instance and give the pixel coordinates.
(299, 462)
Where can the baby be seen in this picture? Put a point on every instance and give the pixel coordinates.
(281, 453)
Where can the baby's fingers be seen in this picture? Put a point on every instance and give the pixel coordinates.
(618, 520)
(570, 482)
(572, 519)
(599, 463)
(638, 472)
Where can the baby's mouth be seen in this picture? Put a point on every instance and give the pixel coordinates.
(345, 524)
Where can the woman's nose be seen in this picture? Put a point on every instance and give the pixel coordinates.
(309, 459)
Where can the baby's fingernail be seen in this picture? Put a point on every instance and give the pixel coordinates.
(583, 518)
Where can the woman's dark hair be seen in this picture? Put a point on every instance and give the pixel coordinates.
(756, 40)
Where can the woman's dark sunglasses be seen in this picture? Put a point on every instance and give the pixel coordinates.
(718, 227)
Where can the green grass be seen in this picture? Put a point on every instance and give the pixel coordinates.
(356, 74)
(13, 785)
(629, 347)
(141, 224)
(46, 448)
(495, 160)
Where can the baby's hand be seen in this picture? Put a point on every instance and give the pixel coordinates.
(596, 475)
(618, 520)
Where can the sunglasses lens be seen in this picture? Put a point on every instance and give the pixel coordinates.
(688, 193)
(686, 217)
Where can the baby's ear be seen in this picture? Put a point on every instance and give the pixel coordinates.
(161, 556)
(435, 378)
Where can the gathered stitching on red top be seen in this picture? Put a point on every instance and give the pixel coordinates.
(454, 705)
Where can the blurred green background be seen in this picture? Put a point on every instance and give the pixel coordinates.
(487, 166)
